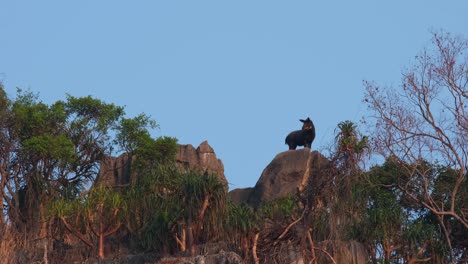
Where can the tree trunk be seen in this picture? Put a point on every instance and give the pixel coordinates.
(245, 245)
(101, 239)
(190, 237)
(254, 249)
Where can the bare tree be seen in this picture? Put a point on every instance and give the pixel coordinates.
(424, 121)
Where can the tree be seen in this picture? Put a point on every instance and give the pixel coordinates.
(99, 214)
(153, 212)
(50, 151)
(395, 228)
(242, 223)
(345, 206)
(134, 139)
(424, 120)
(351, 146)
(202, 204)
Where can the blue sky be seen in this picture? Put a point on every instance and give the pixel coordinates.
(236, 73)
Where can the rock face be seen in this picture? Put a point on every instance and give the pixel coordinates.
(240, 195)
(202, 159)
(288, 173)
(115, 171)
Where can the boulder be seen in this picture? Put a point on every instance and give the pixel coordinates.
(115, 171)
(240, 195)
(288, 173)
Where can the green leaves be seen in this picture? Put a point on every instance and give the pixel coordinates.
(132, 132)
(54, 150)
(47, 146)
(65, 208)
(134, 138)
(348, 138)
(94, 111)
(279, 209)
(242, 218)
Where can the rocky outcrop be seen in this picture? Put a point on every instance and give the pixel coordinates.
(240, 195)
(288, 173)
(115, 171)
(202, 159)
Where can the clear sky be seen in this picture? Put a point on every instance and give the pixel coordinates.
(236, 73)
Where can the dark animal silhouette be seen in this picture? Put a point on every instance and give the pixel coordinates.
(303, 137)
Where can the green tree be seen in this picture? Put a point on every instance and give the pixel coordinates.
(153, 212)
(144, 151)
(98, 214)
(351, 146)
(344, 200)
(49, 153)
(57, 147)
(202, 207)
(242, 226)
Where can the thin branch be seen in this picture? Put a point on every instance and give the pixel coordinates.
(312, 247)
(326, 253)
(76, 233)
(111, 231)
(289, 227)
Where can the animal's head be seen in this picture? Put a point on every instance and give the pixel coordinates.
(308, 125)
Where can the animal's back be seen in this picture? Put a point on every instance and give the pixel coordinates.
(294, 139)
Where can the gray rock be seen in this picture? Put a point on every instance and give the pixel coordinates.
(240, 195)
(202, 159)
(115, 171)
(288, 173)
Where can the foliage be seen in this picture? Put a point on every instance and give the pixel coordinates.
(203, 207)
(172, 207)
(242, 219)
(98, 214)
(279, 209)
(411, 208)
(423, 127)
(50, 153)
(152, 211)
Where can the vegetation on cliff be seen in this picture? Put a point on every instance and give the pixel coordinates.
(412, 208)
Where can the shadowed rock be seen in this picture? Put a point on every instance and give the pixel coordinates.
(115, 171)
(203, 159)
(288, 173)
(240, 195)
